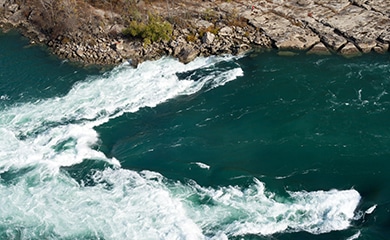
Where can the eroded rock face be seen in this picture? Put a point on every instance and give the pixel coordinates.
(329, 36)
(284, 33)
(336, 23)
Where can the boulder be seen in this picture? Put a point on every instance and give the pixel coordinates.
(16, 18)
(187, 54)
(242, 48)
(303, 3)
(177, 49)
(118, 46)
(225, 31)
(298, 42)
(202, 24)
(381, 48)
(350, 50)
(13, 7)
(319, 49)
(113, 30)
(385, 36)
(366, 47)
(80, 52)
(328, 35)
(208, 38)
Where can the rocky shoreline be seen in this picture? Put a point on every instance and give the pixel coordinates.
(346, 27)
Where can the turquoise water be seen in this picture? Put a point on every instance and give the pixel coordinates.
(257, 147)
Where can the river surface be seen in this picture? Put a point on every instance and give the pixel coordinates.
(255, 147)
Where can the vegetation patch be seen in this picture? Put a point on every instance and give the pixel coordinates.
(154, 30)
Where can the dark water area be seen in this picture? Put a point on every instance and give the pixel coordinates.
(29, 72)
(258, 147)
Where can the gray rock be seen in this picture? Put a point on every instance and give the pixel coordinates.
(208, 38)
(177, 50)
(114, 30)
(357, 2)
(173, 44)
(350, 50)
(367, 47)
(242, 48)
(119, 45)
(203, 24)
(385, 36)
(298, 42)
(245, 40)
(357, 23)
(168, 50)
(184, 31)
(381, 48)
(80, 52)
(328, 35)
(285, 35)
(13, 7)
(319, 49)
(303, 3)
(187, 54)
(261, 40)
(16, 18)
(225, 31)
(336, 6)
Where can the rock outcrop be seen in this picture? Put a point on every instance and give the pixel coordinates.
(347, 27)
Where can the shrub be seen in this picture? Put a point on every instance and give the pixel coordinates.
(191, 38)
(155, 30)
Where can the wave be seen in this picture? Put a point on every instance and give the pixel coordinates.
(39, 200)
(129, 205)
(70, 119)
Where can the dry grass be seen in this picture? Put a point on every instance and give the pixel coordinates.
(59, 17)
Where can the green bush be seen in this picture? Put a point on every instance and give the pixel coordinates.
(155, 30)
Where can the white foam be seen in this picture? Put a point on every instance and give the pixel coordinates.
(202, 165)
(4, 97)
(71, 118)
(130, 205)
(355, 236)
(237, 211)
(38, 138)
(371, 209)
(135, 208)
